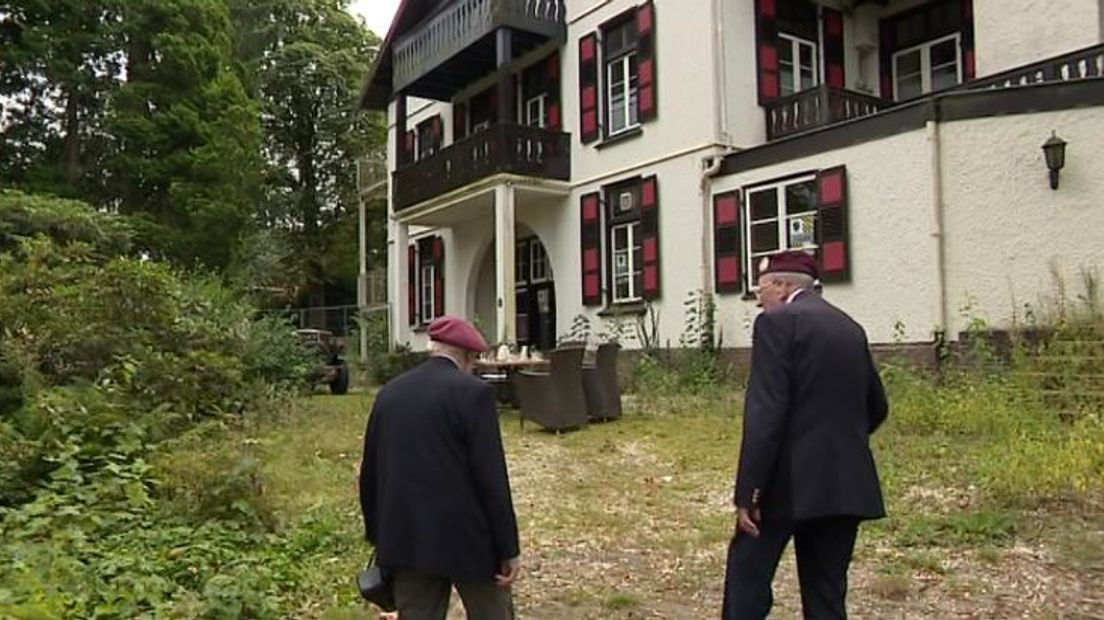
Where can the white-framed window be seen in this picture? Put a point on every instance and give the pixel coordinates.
(426, 282)
(779, 216)
(622, 110)
(931, 66)
(538, 263)
(797, 63)
(536, 111)
(628, 262)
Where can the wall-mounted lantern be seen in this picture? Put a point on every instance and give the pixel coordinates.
(1054, 150)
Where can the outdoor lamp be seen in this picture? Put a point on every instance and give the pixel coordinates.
(1054, 150)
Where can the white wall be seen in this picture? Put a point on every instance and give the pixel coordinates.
(893, 254)
(1010, 33)
(1006, 227)
(684, 82)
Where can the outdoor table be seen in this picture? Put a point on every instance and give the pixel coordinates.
(501, 374)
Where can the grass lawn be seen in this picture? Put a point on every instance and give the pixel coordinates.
(631, 519)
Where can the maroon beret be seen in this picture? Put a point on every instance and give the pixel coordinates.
(791, 261)
(456, 331)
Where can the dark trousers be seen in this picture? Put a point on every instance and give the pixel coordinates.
(823, 548)
(426, 597)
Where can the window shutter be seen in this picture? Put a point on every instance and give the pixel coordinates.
(552, 81)
(832, 25)
(649, 228)
(459, 121)
(438, 276)
(412, 284)
(726, 243)
(411, 146)
(591, 225)
(766, 21)
(969, 71)
(646, 58)
(438, 130)
(588, 88)
(885, 59)
(833, 252)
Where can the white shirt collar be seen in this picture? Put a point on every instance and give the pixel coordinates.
(794, 295)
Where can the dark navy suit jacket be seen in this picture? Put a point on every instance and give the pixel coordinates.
(813, 400)
(434, 489)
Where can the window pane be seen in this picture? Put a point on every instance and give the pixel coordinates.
(620, 238)
(943, 53)
(908, 63)
(801, 197)
(764, 204)
(910, 87)
(634, 89)
(944, 77)
(764, 237)
(801, 231)
(621, 288)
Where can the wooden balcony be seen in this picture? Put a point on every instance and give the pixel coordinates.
(456, 46)
(511, 149)
(817, 107)
(1080, 65)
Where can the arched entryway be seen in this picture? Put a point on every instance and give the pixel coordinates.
(535, 292)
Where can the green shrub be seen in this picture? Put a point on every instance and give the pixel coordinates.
(390, 364)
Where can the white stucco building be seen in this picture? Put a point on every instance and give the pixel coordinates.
(553, 159)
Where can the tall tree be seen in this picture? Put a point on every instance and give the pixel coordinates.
(187, 136)
(308, 59)
(60, 63)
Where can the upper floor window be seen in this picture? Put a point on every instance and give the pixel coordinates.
(536, 111)
(427, 143)
(797, 64)
(930, 66)
(779, 216)
(622, 77)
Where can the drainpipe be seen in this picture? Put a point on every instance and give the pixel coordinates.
(932, 130)
(712, 165)
(720, 81)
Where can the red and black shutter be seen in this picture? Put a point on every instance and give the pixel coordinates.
(412, 284)
(646, 58)
(649, 230)
(726, 243)
(591, 245)
(887, 43)
(833, 251)
(410, 148)
(459, 121)
(552, 83)
(437, 130)
(766, 28)
(588, 88)
(832, 25)
(969, 70)
(438, 276)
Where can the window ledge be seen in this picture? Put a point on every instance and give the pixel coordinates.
(630, 308)
(420, 328)
(749, 296)
(628, 134)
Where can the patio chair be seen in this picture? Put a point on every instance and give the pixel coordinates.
(555, 399)
(603, 395)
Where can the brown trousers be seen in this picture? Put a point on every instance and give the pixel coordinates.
(426, 597)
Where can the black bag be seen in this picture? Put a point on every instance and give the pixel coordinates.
(375, 585)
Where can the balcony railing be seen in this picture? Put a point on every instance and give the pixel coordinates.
(465, 22)
(1082, 64)
(514, 149)
(817, 107)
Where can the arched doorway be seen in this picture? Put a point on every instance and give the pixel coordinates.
(536, 295)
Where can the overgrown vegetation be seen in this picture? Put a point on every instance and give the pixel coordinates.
(106, 361)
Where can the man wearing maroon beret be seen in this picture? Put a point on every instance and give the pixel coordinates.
(434, 489)
(806, 472)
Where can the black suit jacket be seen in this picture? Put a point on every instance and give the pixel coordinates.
(433, 483)
(813, 399)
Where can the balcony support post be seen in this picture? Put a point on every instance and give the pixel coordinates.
(503, 55)
(505, 291)
(401, 154)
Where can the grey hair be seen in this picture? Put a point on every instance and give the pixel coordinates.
(443, 348)
(798, 280)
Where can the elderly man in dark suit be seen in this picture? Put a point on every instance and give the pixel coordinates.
(806, 471)
(434, 488)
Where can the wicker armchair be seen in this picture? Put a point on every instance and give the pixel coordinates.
(603, 394)
(555, 399)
